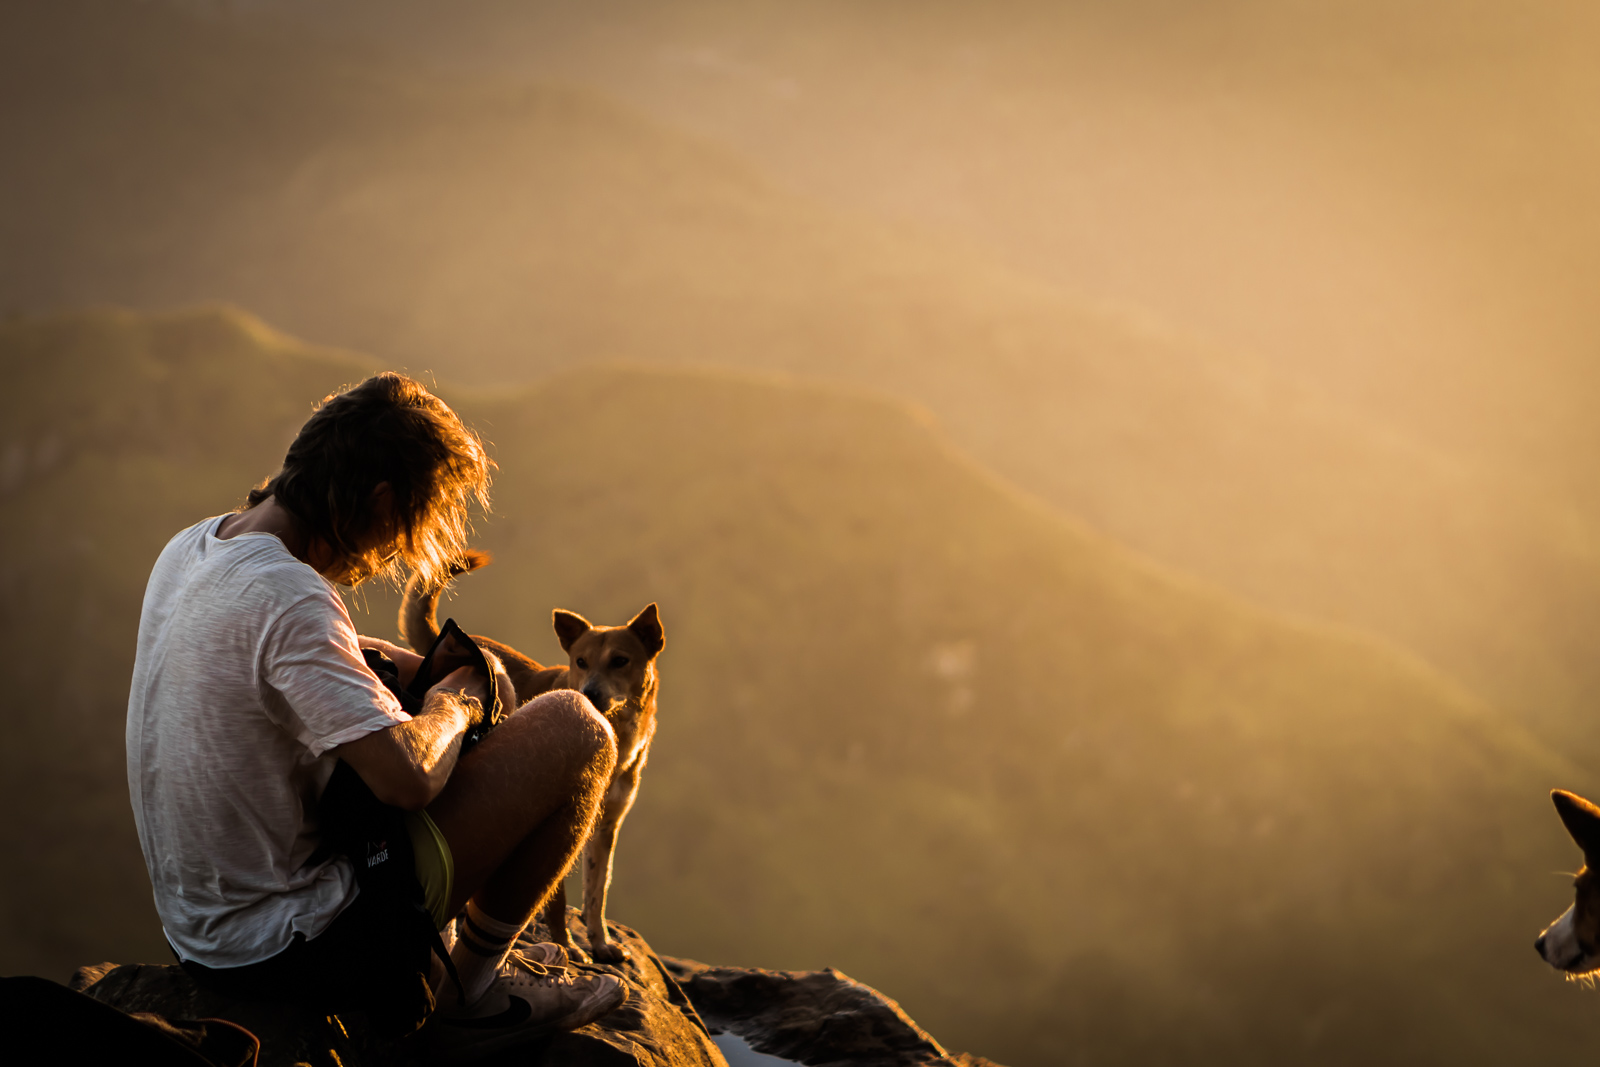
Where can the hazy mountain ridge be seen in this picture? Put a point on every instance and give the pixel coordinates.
(915, 725)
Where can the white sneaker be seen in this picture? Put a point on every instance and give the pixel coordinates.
(527, 1000)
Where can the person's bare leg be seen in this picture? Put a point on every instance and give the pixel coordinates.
(520, 805)
(515, 814)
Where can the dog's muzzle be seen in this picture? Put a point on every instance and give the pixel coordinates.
(1561, 948)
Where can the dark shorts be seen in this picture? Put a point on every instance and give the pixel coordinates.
(373, 959)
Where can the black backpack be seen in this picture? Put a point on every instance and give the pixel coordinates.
(355, 823)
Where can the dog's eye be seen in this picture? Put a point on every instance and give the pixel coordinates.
(583, 664)
(618, 662)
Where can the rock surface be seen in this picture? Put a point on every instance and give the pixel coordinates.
(655, 1027)
(817, 1018)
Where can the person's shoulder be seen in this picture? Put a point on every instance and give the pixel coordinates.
(262, 562)
(183, 552)
(192, 539)
(266, 559)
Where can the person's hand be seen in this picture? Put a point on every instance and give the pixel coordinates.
(467, 682)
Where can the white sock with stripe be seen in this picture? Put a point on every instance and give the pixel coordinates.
(482, 942)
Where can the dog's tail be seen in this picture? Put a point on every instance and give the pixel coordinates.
(419, 621)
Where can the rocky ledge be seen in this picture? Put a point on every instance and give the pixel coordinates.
(674, 1007)
(818, 1018)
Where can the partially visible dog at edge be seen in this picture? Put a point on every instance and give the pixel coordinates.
(1571, 944)
(615, 668)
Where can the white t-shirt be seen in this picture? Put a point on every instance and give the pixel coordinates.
(247, 673)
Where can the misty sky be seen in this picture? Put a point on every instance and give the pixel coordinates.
(1390, 200)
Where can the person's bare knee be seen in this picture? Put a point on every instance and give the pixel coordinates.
(582, 732)
(530, 801)
(596, 738)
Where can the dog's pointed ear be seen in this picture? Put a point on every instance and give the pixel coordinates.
(1582, 820)
(646, 626)
(569, 627)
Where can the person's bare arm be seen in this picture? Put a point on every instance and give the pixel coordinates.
(407, 764)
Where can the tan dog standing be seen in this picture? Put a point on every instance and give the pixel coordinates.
(615, 668)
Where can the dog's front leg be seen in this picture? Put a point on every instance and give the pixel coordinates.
(555, 917)
(597, 862)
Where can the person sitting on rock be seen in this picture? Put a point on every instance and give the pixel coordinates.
(250, 683)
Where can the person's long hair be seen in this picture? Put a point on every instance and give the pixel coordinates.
(389, 429)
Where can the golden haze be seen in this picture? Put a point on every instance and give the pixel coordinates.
(1226, 701)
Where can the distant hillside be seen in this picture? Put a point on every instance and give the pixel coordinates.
(914, 724)
(494, 232)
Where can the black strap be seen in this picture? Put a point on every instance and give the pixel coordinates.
(443, 953)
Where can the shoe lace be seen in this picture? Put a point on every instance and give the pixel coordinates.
(542, 973)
